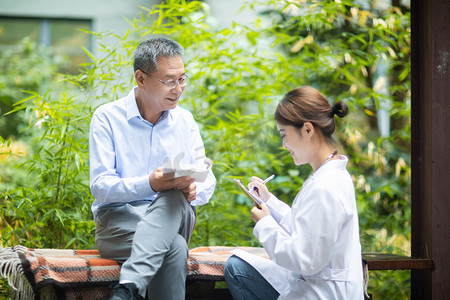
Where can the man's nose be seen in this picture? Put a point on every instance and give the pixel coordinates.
(178, 88)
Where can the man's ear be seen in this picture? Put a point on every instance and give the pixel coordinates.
(139, 76)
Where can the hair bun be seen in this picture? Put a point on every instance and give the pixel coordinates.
(340, 109)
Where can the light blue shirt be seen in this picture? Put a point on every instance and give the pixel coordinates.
(124, 149)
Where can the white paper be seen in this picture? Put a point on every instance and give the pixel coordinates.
(197, 171)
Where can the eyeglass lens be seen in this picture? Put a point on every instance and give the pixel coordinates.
(183, 81)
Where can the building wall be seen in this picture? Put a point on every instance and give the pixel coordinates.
(42, 18)
(109, 14)
(105, 14)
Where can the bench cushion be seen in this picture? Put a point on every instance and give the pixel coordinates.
(83, 273)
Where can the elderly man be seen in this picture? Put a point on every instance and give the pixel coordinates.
(144, 217)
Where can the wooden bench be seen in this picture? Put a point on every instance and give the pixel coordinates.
(375, 261)
(82, 274)
(383, 261)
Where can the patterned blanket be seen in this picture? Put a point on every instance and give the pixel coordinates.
(82, 274)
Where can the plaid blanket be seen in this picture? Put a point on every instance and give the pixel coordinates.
(82, 274)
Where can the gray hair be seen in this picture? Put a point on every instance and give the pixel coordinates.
(147, 53)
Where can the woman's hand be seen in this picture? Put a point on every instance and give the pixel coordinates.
(260, 189)
(259, 213)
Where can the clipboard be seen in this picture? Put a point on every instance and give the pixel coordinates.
(252, 197)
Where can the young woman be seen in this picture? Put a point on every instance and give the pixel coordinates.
(314, 245)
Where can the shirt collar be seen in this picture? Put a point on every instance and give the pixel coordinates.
(132, 108)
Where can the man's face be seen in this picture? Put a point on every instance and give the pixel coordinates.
(157, 95)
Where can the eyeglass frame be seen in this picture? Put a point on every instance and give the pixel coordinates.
(177, 81)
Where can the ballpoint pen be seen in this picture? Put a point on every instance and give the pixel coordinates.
(265, 181)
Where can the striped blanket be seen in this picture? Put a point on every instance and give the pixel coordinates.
(82, 274)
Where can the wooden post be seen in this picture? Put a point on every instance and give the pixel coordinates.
(430, 146)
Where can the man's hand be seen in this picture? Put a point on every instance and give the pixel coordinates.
(162, 182)
(190, 192)
(258, 214)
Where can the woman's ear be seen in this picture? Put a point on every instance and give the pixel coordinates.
(308, 128)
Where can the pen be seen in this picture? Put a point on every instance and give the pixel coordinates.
(265, 181)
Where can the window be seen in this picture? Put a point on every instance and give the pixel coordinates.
(62, 35)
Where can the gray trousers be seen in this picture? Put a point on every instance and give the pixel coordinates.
(151, 240)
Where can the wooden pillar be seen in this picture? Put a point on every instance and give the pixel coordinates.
(430, 146)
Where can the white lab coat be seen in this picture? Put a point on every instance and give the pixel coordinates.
(314, 246)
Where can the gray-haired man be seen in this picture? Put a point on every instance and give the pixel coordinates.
(144, 217)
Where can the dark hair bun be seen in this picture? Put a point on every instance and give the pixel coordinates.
(340, 109)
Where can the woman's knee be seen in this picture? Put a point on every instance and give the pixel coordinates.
(234, 266)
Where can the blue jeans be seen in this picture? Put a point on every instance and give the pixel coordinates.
(245, 283)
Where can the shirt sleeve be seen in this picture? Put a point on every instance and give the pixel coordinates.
(205, 189)
(105, 183)
(312, 230)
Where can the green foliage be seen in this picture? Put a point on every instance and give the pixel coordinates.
(238, 76)
(28, 67)
(390, 284)
(52, 198)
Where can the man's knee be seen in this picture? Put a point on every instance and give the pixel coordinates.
(172, 198)
(172, 194)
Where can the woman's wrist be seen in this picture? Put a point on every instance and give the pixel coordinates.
(270, 195)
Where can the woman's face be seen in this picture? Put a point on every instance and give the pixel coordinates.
(296, 140)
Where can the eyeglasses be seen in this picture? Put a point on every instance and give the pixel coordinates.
(171, 84)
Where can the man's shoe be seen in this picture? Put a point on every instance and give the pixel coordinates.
(127, 291)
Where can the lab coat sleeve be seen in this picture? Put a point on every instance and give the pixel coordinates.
(305, 248)
(280, 211)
